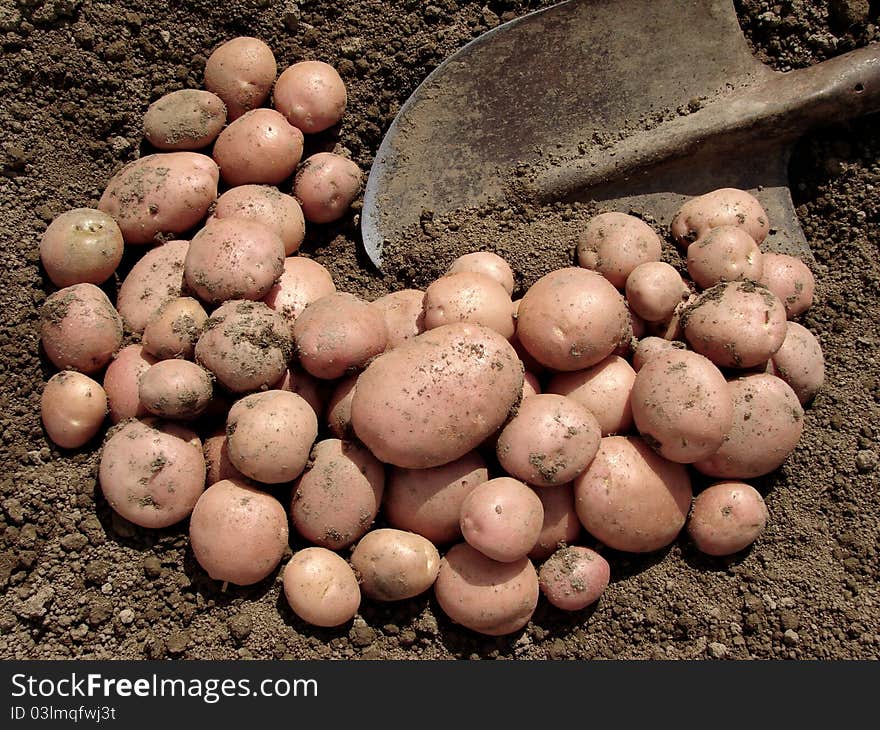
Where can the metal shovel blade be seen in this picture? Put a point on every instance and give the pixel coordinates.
(637, 104)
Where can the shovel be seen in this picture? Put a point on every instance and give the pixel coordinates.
(636, 104)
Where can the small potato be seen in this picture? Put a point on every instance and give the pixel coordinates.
(176, 389)
(79, 328)
(122, 380)
(549, 441)
(238, 533)
(302, 282)
(486, 263)
(217, 464)
(725, 253)
(604, 390)
(233, 258)
(321, 588)
(613, 244)
(574, 577)
(631, 498)
(428, 501)
(157, 278)
(469, 297)
(394, 565)
(245, 345)
(561, 525)
(241, 72)
(81, 246)
(174, 329)
(339, 408)
(404, 315)
(723, 207)
(653, 291)
(791, 280)
(258, 147)
(727, 517)
(650, 347)
(502, 518)
(311, 94)
(337, 498)
(72, 408)
(270, 435)
(168, 192)
(305, 386)
(338, 333)
(571, 319)
(326, 185)
(737, 324)
(484, 595)
(767, 424)
(152, 473)
(188, 119)
(267, 205)
(799, 362)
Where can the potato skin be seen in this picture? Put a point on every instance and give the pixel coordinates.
(81, 246)
(265, 204)
(72, 409)
(561, 525)
(799, 362)
(188, 119)
(441, 395)
(722, 207)
(306, 386)
(157, 278)
(654, 289)
(486, 263)
(121, 382)
(613, 244)
(241, 72)
(650, 347)
(404, 315)
(311, 94)
(394, 565)
(469, 297)
(326, 185)
(259, 147)
(217, 464)
(176, 389)
(302, 282)
(339, 408)
(727, 517)
(574, 577)
(174, 330)
(791, 280)
(725, 253)
(321, 588)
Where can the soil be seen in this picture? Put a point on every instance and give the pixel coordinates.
(75, 79)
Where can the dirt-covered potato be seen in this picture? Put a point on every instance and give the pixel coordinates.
(122, 380)
(152, 472)
(155, 279)
(265, 204)
(326, 185)
(79, 328)
(613, 244)
(723, 207)
(394, 565)
(653, 291)
(311, 94)
(486, 263)
(574, 577)
(259, 147)
(799, 362)
(217, 464)
(241, 72)
(469, 297)
(650, 347)
(302, 282)
(725, 253)
(727, 517)
(404, 315)
(321, 588)
(81, 246)
(561, 525)
(174, 329)
(176, 389)
(791, 280)
(72, 408)
(187, 119)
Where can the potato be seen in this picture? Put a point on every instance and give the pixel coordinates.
(259, 147)
(673, 328)
(428, 501)
(321, 588)
(484, 595)
(121, 382)
(394, 565)
(571, 319)
(529, 363)
(152, 473)
(267, 205)
(531, 385)
(486, 263)
(305, 386)
(233, 258)
(217, 464)
(502, 518)
(725, 253)
(238, 533)
(469, 297)
(188, 119)
(682, 406)
(81, 246)
(157, 278)
(339, 408)
(326, 185)
(270, 435)
(613, 244)
(72, 408)
(79, 328)
(723, 207)
(654, 289)
(549, 441)
(404, 315)
(574, 577)
(302, 282)
(174, 329)
(727, 517)
(311, 94)
(337, 498)
(631, 498)
(437, 397)
(767, 424)
(176, 389)
(245, 345)
(791, 280)
(650, 347)
(561, 525)
(604, 390)
(737, 324)
(799, 362)
(160, 194)
(241, 72)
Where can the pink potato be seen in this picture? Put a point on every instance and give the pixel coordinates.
(484, 595)
(723, 207)
(725, 253)
(79, 328)
(267, 205)
(238, 533)
(469, 297)
(394, 565)
(529, 363)
(649, 347)
(157, 278)
(321, 588)
(574, 577)
(188, 119)
(259, 147)
(311, 94)
(531, 385)
(176, 389)
(339, 407)
(217, 464)
(404, 315)
(791, 280)
(631, 498)
(174, 329)
(121, 382)
(727, 517)
(561, 525)
(314, 391)
(241, 72)
(326, 185)
(152, 472)
(158, 194)
(486, 263)
(653, 291)
(613, 244)
(799, 362)
(81, 246)
(302, 282)
(72, 409)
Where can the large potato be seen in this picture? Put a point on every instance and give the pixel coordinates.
(469, 297)
(725, 253)
(394, 565)
(241, 72)
(613, 244)
(404, 315)
(72, 408)
(326, 185)
(653, 291)
(791, 280)
(187, 119)
(121, 382)
(265, 204)
(174, 330)
(311, 94)
(81, 246)
(727, 517)
(437, 397)
(302, 282)
(176, 389)
(723, 207)
(321, 587)
(561, 525)
(157, 278)
(574, 577)
(799, 362)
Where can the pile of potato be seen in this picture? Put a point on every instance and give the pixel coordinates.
(489, 429)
